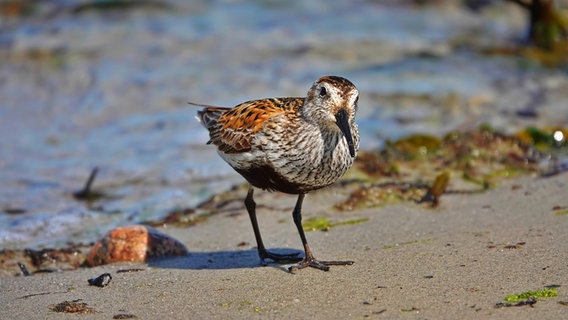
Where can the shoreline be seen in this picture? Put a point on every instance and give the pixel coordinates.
(456, 261)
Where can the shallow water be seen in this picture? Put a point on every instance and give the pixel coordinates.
(83, 88)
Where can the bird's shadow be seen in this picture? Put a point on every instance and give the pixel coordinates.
(215, 260)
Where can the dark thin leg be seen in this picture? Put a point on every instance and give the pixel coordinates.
(309, 260)
(262, 252)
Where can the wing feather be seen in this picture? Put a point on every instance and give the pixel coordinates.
(232, 129)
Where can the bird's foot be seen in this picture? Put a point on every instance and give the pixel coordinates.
(279, 258)
(322, 265)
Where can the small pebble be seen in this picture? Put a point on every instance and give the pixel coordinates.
(101, 281)
(23, 269)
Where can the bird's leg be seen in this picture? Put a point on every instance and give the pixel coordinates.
(262, 252)
(309, 260)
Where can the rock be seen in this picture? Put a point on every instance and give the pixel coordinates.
(133, 243)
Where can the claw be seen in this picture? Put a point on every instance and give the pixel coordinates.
(321, 265)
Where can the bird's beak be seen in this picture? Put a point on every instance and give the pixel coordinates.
(342, 120)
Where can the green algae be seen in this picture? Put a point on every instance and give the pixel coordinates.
(313, 224)
(323, 223)
(544, 139)
(376, 195)
(416, 145)
(544, 293)
(418, 168)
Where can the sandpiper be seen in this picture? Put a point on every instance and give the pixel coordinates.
(291, 145)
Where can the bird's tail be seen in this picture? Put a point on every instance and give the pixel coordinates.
(209, 114)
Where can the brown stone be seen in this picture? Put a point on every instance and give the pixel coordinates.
(133, 243)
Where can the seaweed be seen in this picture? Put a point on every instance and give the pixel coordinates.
(544, 293)
(74, 306)
(528, 302)
(437, 189)
(323, 224)
(477, 161)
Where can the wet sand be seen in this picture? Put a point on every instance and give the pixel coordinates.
(453, 262)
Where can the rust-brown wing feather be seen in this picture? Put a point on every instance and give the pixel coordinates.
(232, 129)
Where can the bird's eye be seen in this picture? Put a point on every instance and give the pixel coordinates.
(322, 92)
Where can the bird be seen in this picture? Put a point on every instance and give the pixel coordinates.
(292, 145)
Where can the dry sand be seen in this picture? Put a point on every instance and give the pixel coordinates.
(453, 262)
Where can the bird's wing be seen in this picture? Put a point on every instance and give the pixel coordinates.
(232, 130)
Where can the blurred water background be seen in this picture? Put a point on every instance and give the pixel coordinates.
(105, 84)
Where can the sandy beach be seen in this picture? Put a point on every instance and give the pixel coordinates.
(105, 84)
(457, 261)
